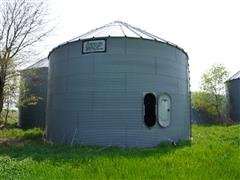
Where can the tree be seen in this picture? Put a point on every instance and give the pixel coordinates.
(22, 24)
(26, 97)
(10, 91)
(211, 97)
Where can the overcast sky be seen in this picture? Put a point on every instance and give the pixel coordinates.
(208, 30)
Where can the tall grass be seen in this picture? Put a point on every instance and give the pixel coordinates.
(214, 153)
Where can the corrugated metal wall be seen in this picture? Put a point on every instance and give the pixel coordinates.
(31, 116)
(233, 93)
(98, 98)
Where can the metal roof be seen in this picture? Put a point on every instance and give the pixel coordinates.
(39, 64)
(235, 76)
(119, 29)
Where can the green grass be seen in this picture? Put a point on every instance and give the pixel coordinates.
(214, 153)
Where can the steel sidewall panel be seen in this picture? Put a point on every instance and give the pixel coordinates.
(233, 91)
(98, 98)
(33, 116)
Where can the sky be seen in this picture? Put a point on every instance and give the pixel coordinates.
(208, 30)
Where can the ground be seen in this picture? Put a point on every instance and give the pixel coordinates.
(213, 153)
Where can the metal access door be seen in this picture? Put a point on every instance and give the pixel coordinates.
(150, 109)
(164, 110)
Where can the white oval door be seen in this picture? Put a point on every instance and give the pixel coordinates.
(164, 110)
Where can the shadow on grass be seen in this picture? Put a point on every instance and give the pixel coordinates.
(214, 125)
(33, 147)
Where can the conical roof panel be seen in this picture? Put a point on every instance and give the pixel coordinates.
(235, 76)
(118, 29)
(39, 64)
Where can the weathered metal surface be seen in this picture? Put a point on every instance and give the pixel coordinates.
(233, 96)
(35, 79)
(97, 98)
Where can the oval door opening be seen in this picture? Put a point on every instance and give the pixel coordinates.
(150, 109)
(164, 110)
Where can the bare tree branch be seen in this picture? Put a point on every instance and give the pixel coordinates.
(22, 25)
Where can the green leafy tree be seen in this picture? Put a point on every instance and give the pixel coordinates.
(16, 91)
(26, 98)
(212, 90)
(10, 91)
(23, 24)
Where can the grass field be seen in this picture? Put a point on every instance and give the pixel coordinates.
(214, 153)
